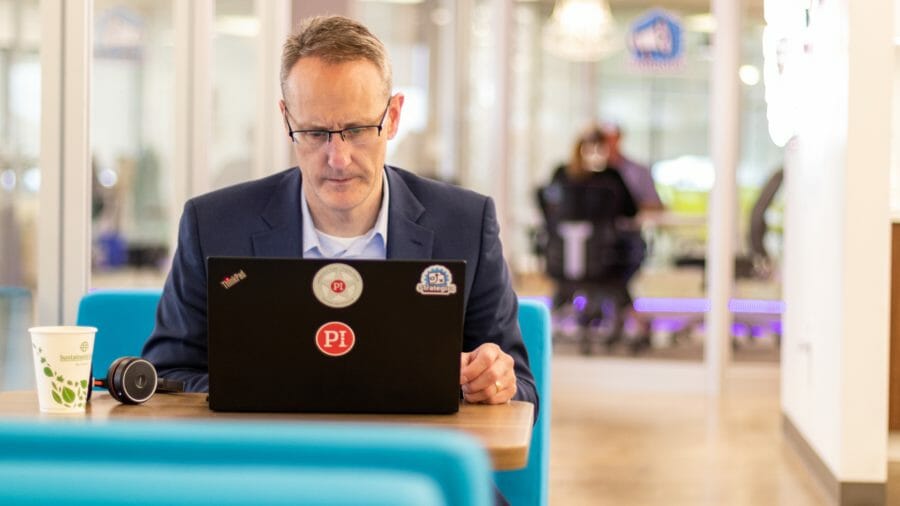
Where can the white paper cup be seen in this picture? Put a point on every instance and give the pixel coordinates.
(62, 366)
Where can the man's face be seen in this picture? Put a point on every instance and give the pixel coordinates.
(339, 176)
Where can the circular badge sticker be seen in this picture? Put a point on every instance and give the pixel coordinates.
(337, 285)
(335, 339)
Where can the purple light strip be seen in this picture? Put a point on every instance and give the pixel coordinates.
(695, 305)
(690, 305)
(670, 305)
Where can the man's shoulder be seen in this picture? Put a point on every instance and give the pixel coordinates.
(430, 191)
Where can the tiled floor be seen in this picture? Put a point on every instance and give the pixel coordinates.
(636, 442)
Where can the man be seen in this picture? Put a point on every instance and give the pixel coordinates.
(637, 177)
(344, 202)
(640, 184)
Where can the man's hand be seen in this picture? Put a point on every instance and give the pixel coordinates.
(487, 375)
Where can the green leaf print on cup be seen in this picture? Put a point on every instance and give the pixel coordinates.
(61, 393)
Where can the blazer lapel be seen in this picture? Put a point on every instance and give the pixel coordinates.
(283, 217)
(406, 238)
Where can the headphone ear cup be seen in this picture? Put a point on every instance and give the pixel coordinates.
(135, 380)
(109, 377)
(120, 380)
(114, 377)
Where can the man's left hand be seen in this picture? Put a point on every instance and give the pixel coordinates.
(487, 375)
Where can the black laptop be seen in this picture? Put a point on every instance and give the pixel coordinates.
(351, 336)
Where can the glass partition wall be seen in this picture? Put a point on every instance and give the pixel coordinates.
(448, 61)
(132, 120)
(20, 178)
(663, 115)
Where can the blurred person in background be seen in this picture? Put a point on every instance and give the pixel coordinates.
(639, 181)
(588, 191)
(637, 177)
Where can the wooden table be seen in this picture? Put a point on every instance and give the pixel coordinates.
(503, 429)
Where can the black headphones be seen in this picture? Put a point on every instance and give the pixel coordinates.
(133, 380)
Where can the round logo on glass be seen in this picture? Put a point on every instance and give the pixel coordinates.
(337, 285)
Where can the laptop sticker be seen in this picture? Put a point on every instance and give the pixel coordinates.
(335, 339)
(436, 280)
(337, 285)
(234, 279)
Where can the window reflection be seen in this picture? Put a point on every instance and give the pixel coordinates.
(664, 117)
(234, 104)
(20, 111)
(132, 143)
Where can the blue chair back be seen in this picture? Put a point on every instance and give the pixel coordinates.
(528, 486)
(343, 464)
(124, 320)
(80, 484)
(16, 371)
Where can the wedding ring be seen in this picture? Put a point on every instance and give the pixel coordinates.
(499, 386)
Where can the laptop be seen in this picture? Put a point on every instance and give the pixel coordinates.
(334, 336)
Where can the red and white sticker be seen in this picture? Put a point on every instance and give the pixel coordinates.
(337, 285)
(335, 339)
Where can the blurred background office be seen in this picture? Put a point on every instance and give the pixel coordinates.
(182, 99)
(456, 71)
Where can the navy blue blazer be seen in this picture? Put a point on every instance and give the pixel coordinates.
(262, 218)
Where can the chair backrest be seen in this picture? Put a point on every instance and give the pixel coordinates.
(16, 373)
(347, 457)
(77, 484)
(528, 486)
(596, 205)
(124, 320)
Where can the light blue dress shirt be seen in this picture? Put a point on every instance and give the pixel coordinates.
(371, 245)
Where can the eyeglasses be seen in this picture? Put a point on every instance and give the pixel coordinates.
(355, 135)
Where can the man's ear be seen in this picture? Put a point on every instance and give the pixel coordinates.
(394, 115)
(283, 107)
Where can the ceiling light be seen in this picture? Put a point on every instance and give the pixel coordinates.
(580, 30)
(749, 75)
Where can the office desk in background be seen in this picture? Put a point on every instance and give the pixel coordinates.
(503, 429)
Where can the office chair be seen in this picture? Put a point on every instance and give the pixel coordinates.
(528, 486)
(124, 319)
(585, 253)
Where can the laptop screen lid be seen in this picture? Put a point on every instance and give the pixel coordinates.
(363, 336)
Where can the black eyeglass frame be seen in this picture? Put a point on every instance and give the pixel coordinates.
(379, 126)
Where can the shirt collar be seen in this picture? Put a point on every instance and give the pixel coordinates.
(311, 241)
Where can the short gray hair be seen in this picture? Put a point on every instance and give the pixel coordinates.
(334, 39)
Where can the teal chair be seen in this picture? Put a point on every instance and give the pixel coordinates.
(78, 484)
(124, 320)
(16, 372)
(189, 462)
(528, 486)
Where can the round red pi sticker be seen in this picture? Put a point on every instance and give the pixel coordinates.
(335, 339)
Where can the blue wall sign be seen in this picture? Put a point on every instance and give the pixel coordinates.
(655, 40)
